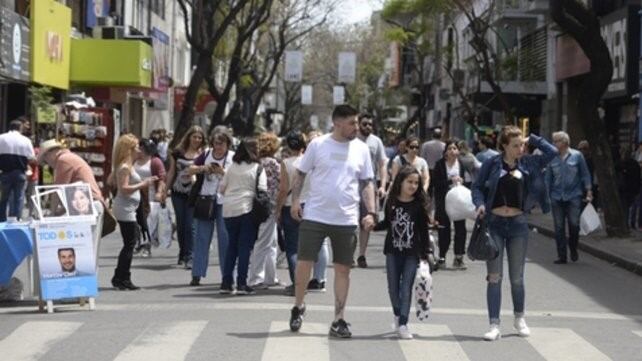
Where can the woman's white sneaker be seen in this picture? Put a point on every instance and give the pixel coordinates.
(493, 334)
(404, 333)
(521, 327)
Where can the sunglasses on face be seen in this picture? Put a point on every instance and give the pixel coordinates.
(413, 147)
(366, 124)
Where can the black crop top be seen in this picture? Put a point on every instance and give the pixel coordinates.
(510, 189)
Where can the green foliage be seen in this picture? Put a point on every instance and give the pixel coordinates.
(41, 97)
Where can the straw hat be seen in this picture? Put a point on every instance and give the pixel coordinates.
(46, 147)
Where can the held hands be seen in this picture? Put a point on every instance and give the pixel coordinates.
(457, 180)
(368, 223)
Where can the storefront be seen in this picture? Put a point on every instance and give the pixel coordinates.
(621, 32)
(15, 60)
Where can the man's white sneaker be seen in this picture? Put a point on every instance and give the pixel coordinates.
(395, 323)
(493, 334)
(404, 333)
(521, 327)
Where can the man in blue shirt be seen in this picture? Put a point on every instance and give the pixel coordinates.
(486, 151)
(567, 179)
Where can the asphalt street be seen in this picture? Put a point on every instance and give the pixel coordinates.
(590, 310)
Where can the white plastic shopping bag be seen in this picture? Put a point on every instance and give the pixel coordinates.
(164, 227)
(152, 222)
(589, 220)
(459, 204)
(423, 291)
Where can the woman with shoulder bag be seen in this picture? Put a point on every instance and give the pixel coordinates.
(129, 185)
(449, 172)
(181, 181)
(505, 188)
(210, 168)
(239, 187)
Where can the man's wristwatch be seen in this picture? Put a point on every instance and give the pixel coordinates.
(374, 215)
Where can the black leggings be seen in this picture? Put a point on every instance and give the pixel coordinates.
(131, 233)
(444, 233)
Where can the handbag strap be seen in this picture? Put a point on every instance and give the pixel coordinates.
(259, 169)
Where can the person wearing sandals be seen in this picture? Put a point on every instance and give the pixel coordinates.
(211, 166)
(239, 188)
(129, 185)
(505, 190)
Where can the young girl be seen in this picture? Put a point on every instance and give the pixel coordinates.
(406, 241)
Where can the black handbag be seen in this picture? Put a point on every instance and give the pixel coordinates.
(481, 246)
(205, 208)
(261, 202)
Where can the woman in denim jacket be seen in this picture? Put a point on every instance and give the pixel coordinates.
(508, 186)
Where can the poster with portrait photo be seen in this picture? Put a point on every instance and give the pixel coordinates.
(66, 262)
(79, 200)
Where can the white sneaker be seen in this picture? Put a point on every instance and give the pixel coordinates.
(493, 334)
(521, 327)
(404, 333)
(395, 323)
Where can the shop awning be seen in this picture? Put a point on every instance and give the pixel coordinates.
(111, 63)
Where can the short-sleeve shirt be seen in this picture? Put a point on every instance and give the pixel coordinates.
(240, 187)
(377, 152)
(335, 169)
(15, 151)
(70, 168)
(419, 163)
(183, 180)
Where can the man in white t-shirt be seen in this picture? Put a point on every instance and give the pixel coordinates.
(378, 159)
(337, 165)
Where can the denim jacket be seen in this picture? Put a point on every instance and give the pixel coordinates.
(532, 166)
(568, 178)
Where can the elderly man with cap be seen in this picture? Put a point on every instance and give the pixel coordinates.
(70, 168)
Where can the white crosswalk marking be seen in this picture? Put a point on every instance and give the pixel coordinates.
(639, 333)
(283, 345)
(40, 336)
(438, 339)
(563, 344)
(164, 342)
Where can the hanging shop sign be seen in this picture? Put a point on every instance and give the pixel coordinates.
(100, 62)
(293, 66)
(306, 94)
(162, 57)
(14, 45)
(347, 67)
(621, 33)
(338, 95)
(96, 9)
(50, 45)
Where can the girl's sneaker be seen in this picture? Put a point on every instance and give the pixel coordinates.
(404, 333)
(521, 327)
(395, 323)
(493, 334)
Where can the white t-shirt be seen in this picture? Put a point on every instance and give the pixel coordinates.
(334, 170)
(212, 181)
(453, 171)
(240, 182)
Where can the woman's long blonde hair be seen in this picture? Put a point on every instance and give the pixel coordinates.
(123, 149)
(183, 146)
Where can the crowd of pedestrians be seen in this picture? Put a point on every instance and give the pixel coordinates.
(328, 190)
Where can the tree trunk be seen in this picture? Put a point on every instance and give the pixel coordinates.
(203, 68)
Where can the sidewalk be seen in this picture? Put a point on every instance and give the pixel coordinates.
(625, 253)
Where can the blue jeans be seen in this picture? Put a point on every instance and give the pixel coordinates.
(563, 212)
(510, 233)
(291, 234)
(241, 231)
(184, 224)
(203, 231)
(13, 185)
(401, 272)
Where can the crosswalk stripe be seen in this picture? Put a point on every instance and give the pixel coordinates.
(283, 345)
(563, 344)
(163, 342)
(639, 333)
(439, 339)
(40, 336)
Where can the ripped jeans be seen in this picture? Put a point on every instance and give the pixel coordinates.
(510, 233)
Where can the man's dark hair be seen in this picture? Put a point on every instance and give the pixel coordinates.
(344, 111)
(488, 142)
(15, 125)
(363, 116)
(247, 152)
(73, 251)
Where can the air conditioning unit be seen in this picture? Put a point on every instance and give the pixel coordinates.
(110, 32)
(105, 21)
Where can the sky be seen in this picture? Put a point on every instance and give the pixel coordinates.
(354, 11)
